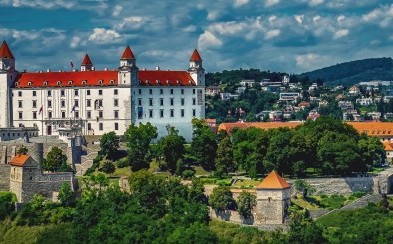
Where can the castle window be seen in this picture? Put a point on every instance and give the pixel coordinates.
(34, 115)
(63, 114)
(172, 101)
(83, 82)
(193, 113)
(20, 104)
(171, 91)
(150, 113)
(182, 112)
(161, 91)
(19, 93)
(193, 91)
(182, 101)
(34, 93)
(59, 83)
(88, 92)
(30, 178)
(116, 126)
(100, 82)
(161, 101)
(45, 83)
(29, 83)
(49, 93)
(20, 115)
(269, 199)
(150, 101)
(111, 81)
(116, 102)
(100, 92)
(116, 114)
(161, 113)
(182, 91)
(139, 91)
(101, 126)
(193, 101)
(88, 103)
(139, 102)
(115, 92)
(89, 114)
(172, 113)
(76, 92)
(29, 170)
(150, 91)
(70, 82)
(16, 83)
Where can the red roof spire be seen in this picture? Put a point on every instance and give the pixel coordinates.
(273, 181)
(5, 51)
(195, 56)
(86, 60)
(127, 54)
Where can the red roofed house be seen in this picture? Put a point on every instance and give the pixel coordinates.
(27, 178)
(100, 101)
(273, 199)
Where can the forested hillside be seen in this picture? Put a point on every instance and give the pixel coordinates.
(353, 72)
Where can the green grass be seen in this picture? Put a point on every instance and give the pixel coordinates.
(200, 171)
(243, 183)
(376, 170)
(305, 204)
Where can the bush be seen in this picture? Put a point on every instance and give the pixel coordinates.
(6, 204)
(188, 174)
(122, 163)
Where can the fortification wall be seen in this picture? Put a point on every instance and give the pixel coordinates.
(5, 171)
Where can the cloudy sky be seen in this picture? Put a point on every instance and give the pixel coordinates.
(290, 36)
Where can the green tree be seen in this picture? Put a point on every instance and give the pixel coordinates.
(246, 202)
(204, 144)
(138, 139)
(372, 151)
(278, 155)
(65, 193)
(304, 188)
(56, 161)
(7, 204)
(108, 167)
(221, 199)
(302, 229)
(109, 144)
(224, 159)
(22, 150)
(171, 147)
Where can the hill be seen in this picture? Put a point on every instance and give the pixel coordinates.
(353, 72)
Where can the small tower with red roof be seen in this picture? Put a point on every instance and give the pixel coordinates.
(273, 199)
(196, 70)
(7, 76)
(86, 64)
(128, 71)
(7, 60)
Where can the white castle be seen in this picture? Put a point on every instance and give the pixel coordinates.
(99, 101)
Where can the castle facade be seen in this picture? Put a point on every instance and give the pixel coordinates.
(100, 101)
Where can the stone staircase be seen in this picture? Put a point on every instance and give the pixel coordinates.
(86, 160)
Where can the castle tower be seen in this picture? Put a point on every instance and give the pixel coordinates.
(7, 76)
(196, 70)
(87, 65)
(128, 71)
(273, 199)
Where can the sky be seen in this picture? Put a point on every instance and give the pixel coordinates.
(290, 36)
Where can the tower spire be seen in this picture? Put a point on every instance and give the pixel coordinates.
(86, 64)
(5, 51)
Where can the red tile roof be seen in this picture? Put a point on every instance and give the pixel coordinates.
(388, 146)
(127, 54)
(273, 181)
(67, 79)
(165, 78)
(86, 60)
(5, 51)
(228, 127)
(19, 160)
(195, 56)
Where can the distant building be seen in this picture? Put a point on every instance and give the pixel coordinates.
(228, 96)
(354, 91)
(249, 83)
(364, 101)
(213, 90)
(290, 96)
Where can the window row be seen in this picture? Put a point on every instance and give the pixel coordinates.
(62, 93)
(171, 101)
(161, 113)
(98, 103)
(161, 91)
(73, 114)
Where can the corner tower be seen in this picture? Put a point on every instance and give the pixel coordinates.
(86, 64)
(196, 70)
(128, 71)
(7, 77)
(273, 199)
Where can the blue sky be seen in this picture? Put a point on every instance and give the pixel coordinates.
(290, 36)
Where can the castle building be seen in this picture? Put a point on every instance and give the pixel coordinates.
(100, 101)
(273, 199)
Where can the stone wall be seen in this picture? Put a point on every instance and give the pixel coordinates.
(5, 170)
(342, 186)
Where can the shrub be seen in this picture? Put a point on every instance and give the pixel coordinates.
(188, 174)
(122, 163)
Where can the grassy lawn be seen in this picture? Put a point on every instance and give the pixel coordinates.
(305, 204)
(200, 171)
(244, 183)
(376, 170)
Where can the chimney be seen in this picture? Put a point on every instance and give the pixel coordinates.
(158, 68)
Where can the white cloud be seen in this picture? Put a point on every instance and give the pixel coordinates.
(102, 35)
(131, 23)
(190, 28)
(299, 18)
(44, 4)
(272, 33)
(117, 10)
(208, 40)
(316, 2)
(341, 33)
(269, 3)
(75, 41)
(238, 3)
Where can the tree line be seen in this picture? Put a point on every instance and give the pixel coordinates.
(326, 146)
